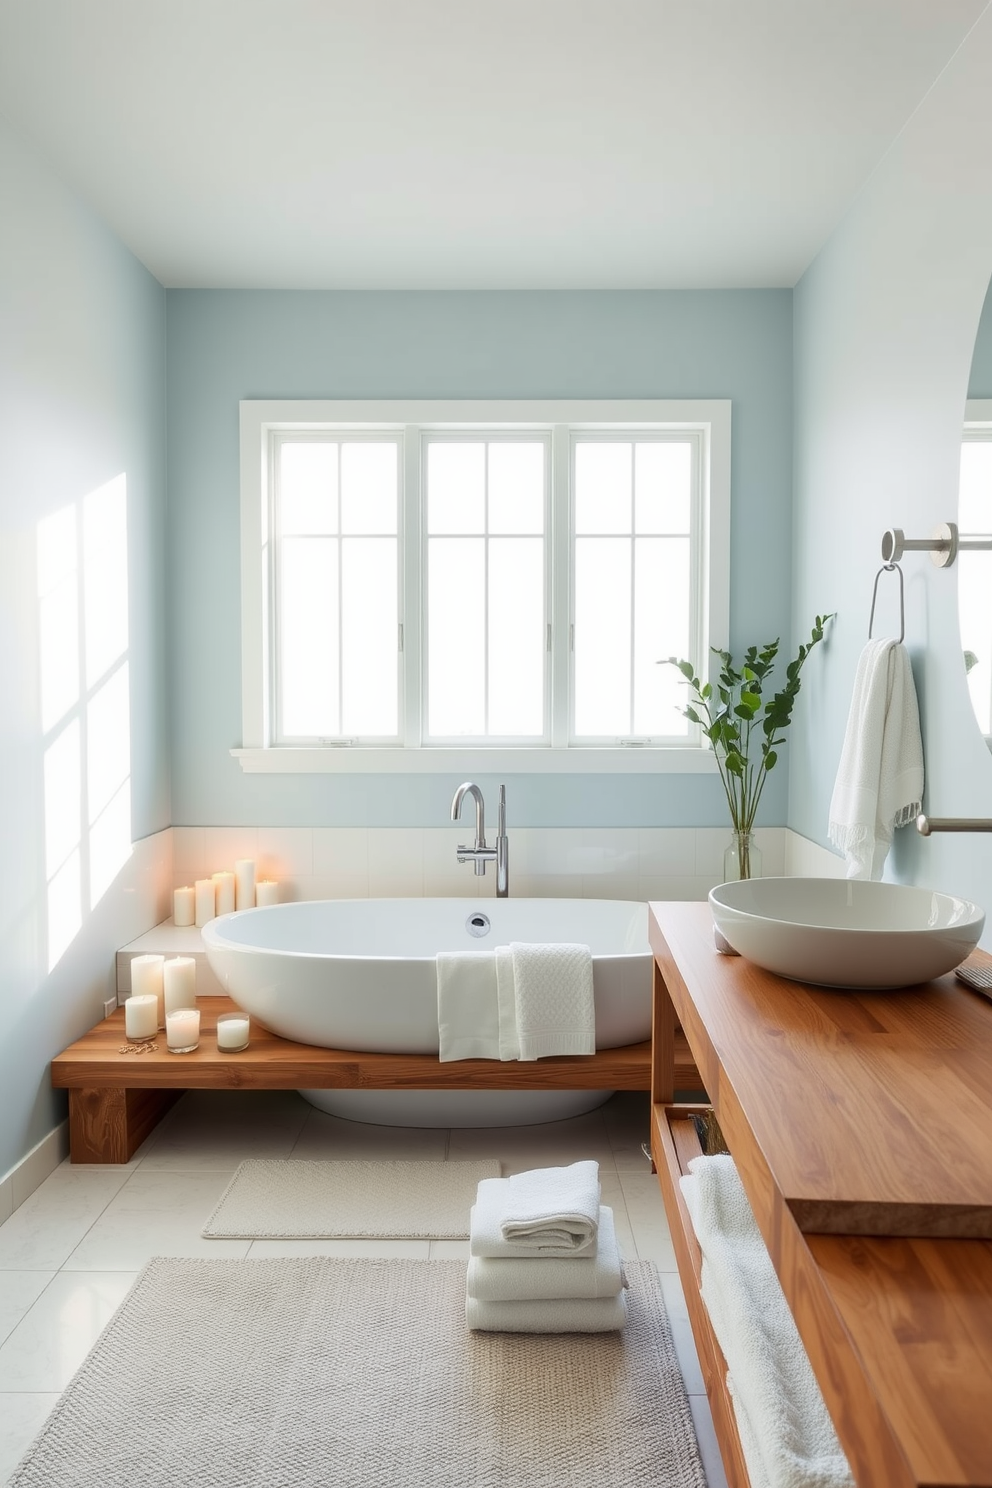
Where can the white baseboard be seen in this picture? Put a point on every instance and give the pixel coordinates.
(32, 1170)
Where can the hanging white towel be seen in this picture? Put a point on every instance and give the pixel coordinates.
(879, 782)
(557, 1315)
(553, 992)
(544, 1212)
(533, 1279)
(786, 1433)
(467, 1006)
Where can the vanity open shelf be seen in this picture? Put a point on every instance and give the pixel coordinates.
(861, 1127)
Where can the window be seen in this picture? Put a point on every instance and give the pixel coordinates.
(423, 579)
(975, 567)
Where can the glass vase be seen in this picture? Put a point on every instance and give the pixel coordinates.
(742, 858)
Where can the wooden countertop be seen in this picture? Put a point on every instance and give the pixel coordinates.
(868, 1109)
(873, 1110)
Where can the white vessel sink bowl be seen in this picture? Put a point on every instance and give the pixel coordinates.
(846, 933)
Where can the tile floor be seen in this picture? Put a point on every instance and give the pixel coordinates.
(70, 1253)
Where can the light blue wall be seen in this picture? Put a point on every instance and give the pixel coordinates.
(885, 326)
(980, 381)
(82, 399)
(229, 345)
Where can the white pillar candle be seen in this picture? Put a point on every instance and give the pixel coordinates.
(184, 905)
(179, 977)
(146, 977)
(232, 1032)
(266, 892)
(182, 1030)
(224, 884)
(141, 1016)
(244, 879)
(206, 900)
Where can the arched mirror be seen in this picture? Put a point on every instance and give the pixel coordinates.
(975, 520)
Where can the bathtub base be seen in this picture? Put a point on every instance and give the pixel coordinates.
(456, 1107)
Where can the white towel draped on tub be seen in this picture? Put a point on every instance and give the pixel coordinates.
(546, 1212)
(553, 993)
(786, 1434)
(533, 1279)
(880, 776)
(467, 1009)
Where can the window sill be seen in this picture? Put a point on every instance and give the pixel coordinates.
(467, 761)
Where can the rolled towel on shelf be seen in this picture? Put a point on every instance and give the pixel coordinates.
(549, 1278)
(544, 1212)
(786, 1433)
(553, 992)
(558, 1315)
(467, 1006)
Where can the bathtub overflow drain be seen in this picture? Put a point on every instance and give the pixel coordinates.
(477, 924)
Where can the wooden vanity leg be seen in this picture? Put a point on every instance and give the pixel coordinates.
(108, 1126)
(662, 1049)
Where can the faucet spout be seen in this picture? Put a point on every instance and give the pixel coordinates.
(481, 854)
(469, 788)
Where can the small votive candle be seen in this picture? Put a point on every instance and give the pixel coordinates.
(206, 900)
(244, 883)
(232, 1032)
(266, 892)
(141, 1016)
(179, 977)
(184, 905)
(146, 978)
(224, 885)
(182, 1030)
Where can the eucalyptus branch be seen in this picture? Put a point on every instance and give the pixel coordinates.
(735, 710)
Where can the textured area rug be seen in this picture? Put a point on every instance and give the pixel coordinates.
(348, 1200)
(361, 1374)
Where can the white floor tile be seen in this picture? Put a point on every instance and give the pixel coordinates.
(709, 1447)
(49, 1344)
(551, 1144)
(22, 1416)
(19, 1291)
(218, 1129)
(646, 1213)
(156, 1214)
(449, 1250)
(385, 1250)
(685, 1343)
(43, 1232)
(326, 1138)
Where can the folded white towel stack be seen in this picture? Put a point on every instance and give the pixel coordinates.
(553, 988)
(786, 1434)
(546, 1212)
(533, 1279)
(879, 782)
(557, 1287)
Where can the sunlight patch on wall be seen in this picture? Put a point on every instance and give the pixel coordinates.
(85, 705)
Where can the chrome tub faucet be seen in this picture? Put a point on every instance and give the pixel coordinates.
(481, 854)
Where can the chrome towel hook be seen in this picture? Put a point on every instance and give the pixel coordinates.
(890, 568)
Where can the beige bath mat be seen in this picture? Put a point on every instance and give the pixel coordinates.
(287, 1200)
(357, 1373)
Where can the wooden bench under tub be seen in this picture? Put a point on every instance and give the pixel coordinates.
(115, 1099)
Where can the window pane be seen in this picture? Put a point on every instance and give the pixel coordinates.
(369, 620)
(456, 487)
(662, 486)
(602, 636)
(975, 496)
(602, 486)
(308, 487)
(368, 487)
(516, 487)
(456, 636)
(661, 628)
(516, 636)
(308, 637)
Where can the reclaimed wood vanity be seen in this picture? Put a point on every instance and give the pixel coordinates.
(861, 1126)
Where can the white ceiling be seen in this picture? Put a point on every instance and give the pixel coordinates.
(459, 144)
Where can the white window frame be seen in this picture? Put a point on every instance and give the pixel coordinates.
(261, 417)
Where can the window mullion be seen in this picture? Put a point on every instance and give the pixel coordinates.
(413, 560)
(560, 560)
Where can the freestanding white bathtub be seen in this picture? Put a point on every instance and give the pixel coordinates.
(360, 974)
